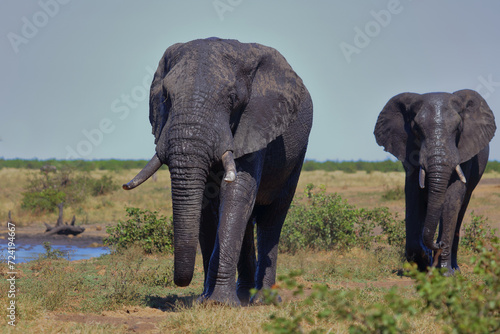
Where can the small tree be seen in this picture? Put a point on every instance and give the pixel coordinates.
(45, 190)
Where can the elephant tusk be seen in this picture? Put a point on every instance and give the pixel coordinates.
(152, 166)
(421, 178)
(461, 174)
(229, 166)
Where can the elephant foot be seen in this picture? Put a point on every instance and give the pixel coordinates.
(446, 267)
(266, 297)
(244, 295)
(220, 296)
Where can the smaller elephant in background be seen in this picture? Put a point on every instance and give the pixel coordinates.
(442, 140)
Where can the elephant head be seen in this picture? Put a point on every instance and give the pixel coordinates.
(434, 133)
(213, 101)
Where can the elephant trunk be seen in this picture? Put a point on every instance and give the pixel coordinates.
(438, 177)
(190, 150)
(188, 185)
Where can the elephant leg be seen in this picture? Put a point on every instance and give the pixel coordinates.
(246, 265)
(456, 239)
(237, 200)
(416, 207)
(208, 232)
(461, 215)
(269, 223)
(269, 220)
(451, 209)
(474, 170)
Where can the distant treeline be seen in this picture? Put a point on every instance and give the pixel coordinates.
(309, 165)
(354, 166)
(83, 165)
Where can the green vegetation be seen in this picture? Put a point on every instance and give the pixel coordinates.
(309, 165)
(394, 194)
(461, 304)
(325, 222)
(476, 233)
(341, 265)
(51, 253)
(143, 229)
(45, 190)
(80, 165)
(354, 166)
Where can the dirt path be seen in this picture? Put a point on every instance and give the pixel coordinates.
(134, 319)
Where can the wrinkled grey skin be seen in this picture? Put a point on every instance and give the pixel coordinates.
(436, 132)
(211, 97)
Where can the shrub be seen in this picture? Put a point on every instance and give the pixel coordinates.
(477, 232)
(102, 186)
(48, 188)
(466, 304)
(393, 229)
(51, 253)
(144, 228)
(323, 222)
(462, 304)
(326, 221)
(393, 194)
(44, 200)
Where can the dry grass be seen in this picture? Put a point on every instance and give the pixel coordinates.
(369, 272)
(360, 189)
(175, 310)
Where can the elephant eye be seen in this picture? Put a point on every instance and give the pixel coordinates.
(233, 99)
(416, 129)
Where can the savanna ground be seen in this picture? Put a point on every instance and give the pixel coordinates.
(133, 292)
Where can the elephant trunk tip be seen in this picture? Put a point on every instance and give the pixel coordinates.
(429, 242)
(182, 280)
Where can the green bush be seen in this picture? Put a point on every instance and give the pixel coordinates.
(44, 200)
(393, 194)
(51, 253)
(48, 188)
(461, 303)
(102, 186)
(326, 221)
(466, 304)
(477, 232)
(393, 230)
(144, 228)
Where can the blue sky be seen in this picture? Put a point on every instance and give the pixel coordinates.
(75, 75)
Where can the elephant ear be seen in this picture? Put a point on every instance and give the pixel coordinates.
(159, 102)
(478, 123)
(276, 93)
(393, 128)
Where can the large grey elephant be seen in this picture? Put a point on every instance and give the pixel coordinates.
(443, 141)
(231, 120)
